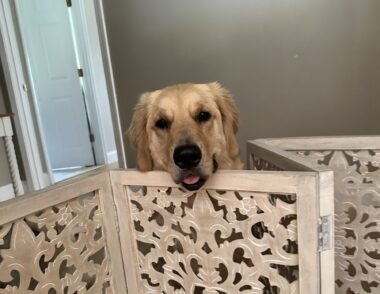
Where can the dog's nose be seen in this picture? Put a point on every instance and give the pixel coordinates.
(187, 156)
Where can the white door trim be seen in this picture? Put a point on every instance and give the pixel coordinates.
(118, 130)
(19, 99)
(85, 44)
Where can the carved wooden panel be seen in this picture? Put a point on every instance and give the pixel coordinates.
(60, 249)
(357, 217)
(214, 241)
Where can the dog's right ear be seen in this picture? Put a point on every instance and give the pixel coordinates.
(138, 135)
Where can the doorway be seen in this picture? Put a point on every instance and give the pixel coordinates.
(54, 59)
(55, 76)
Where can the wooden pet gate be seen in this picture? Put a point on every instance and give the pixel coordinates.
(122, 231)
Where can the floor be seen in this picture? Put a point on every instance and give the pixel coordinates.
(64, 174)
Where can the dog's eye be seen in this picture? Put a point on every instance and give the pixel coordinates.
(162, 124)
(203, 116)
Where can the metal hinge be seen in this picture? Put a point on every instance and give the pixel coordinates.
(92, 138)
(69, 3)
(80, 72)
(324, 233)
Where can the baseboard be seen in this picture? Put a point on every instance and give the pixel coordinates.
(112, 157)
(6, 192)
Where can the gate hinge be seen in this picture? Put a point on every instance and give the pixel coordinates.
(69, 3)
(324, 233)
(92, 138)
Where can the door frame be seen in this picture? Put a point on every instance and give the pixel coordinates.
(112, 95)
(11, 53)
(86, 43)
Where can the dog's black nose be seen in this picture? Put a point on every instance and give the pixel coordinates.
(187, 156)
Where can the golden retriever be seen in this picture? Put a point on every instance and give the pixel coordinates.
(188, 130)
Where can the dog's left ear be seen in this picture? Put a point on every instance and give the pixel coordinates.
(230, 118)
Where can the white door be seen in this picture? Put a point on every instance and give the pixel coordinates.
(48, 43)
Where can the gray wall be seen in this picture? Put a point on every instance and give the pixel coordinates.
(295, 67)
(5, 177)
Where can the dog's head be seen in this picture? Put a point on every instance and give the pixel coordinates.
(188, 130)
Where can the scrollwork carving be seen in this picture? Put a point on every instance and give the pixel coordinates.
(357, 217)
(258, 163)
(60, 249)
(214, 241)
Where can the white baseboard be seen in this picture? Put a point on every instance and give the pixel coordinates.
(112, 157)
(6, 192)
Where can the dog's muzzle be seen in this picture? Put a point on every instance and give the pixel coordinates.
(187, 158)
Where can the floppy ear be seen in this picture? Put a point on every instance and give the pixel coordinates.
(138, 136)
(230, 118)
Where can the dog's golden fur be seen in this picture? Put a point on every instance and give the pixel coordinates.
(179, 106)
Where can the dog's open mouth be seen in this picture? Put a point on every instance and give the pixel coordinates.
(193, 182)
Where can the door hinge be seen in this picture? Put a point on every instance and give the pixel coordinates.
(69, 3)
(324, 233)
(80, 72)
(92, 138)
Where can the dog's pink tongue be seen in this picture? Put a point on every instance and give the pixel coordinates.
(191, 179)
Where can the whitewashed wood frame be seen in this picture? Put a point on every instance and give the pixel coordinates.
(355, 161)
